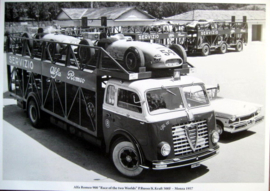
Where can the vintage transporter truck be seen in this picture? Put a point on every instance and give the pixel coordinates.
(144, 120)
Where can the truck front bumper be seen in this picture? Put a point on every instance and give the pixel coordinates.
(184, 161)
(243, 125)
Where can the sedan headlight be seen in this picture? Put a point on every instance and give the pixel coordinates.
(259, 110)
(233, 118)
(165, 148)
(215, 137)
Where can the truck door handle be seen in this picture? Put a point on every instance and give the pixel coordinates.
(108, 115)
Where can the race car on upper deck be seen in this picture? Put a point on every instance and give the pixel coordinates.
(135, 54)
(130, 54)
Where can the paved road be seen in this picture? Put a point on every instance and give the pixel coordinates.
(52, 155)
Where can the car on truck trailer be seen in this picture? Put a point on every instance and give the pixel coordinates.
(205, 36)
(142, 120)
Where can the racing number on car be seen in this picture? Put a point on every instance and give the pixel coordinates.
(167, 52)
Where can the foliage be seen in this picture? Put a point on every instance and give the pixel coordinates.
(47, 11)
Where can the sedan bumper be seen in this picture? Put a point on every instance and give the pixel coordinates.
(243, 125)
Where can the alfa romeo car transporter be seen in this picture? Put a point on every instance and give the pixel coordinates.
(143, 120)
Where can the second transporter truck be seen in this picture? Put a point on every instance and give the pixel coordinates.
(143, 120)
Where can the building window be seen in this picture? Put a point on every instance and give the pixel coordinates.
(256, 32)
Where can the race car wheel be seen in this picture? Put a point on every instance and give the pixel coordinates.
(125, 158)
(223, 48)
(54, 50)
(205, 50)
(85, 53)
(29, 39)
(180, 51)
(239, 46)
(133, 59)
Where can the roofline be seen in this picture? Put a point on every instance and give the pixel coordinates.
(121, 20)
(207, 10)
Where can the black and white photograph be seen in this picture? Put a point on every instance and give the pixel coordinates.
(134, 95)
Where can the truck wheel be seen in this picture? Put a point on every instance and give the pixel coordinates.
(125, 158)
(34, 114)
(85, 53)
(223, 48)
(205, 50)
(180, 51)
(133, 59)
(239, 46)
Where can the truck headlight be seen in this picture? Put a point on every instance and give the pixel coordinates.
(165, 148)
(215, 137)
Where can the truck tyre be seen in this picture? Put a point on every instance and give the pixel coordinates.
(85, 53)
(125, 158)
(34, 114)
(223, 48)
(239, 46)
(133, 59)
(180, 51)
(205, 50)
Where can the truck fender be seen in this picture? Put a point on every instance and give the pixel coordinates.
(33, 96)
(124, 134)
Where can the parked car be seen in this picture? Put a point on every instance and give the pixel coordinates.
(233, 116)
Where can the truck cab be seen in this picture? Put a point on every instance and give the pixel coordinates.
(158, 123)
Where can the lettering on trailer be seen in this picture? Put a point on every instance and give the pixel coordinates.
(71, 76)
(148, 36)
(21, 62)
(55, 71)
(208, 32)
(171, 35)
(181, 35)
(24, 63)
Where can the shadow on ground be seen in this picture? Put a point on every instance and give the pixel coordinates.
(232, 137)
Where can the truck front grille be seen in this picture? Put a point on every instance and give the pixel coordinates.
(190, 137)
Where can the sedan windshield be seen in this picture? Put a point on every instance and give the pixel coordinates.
(170, 99)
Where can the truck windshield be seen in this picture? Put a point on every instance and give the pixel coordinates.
(164, 99)
(169, 99)
(195, 95)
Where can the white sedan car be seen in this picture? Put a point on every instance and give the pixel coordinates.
(232, 115)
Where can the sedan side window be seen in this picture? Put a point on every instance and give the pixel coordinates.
(129, 100)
